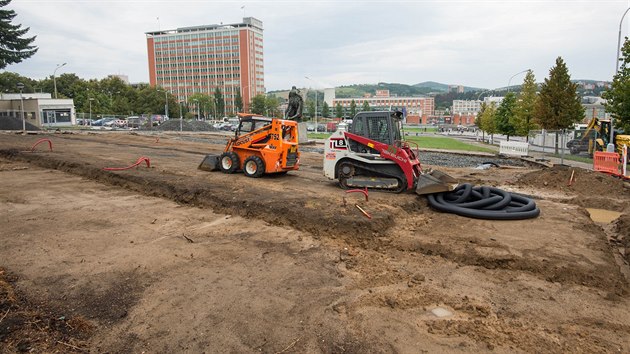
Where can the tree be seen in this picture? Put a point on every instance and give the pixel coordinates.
(353, 109)
(8, 82)
(219, 102)
(338, 110)
(559, 105)
(618, 96)
(366, 106)
(14, 47)
(325, 110)
(482, 109)
(203, 102)
(505, 116)
(272, 104)
(238, 101)
(259, 104)
(488, 123)
(310, 108)
(525, 104)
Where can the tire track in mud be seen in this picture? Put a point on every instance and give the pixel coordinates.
(608, 278)
(281, 209)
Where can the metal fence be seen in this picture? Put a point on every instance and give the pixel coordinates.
(548, 140)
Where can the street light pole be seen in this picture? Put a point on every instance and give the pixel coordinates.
(20, 87)
(180, 115)
(619, 42)
(90, 100)
(55, 78)
(612, 130)
(510, 80)
(165, 104)
(316, 127)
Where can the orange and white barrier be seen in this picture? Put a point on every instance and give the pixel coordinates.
(515, 148)
(624, 160)
(606, 162)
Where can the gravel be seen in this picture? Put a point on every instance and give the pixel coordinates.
(12, 123)
(187, 125)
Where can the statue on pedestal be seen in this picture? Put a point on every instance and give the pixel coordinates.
(296, 103)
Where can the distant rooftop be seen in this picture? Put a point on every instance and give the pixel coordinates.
(247, 22)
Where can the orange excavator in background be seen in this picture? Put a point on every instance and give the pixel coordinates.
(260, 145)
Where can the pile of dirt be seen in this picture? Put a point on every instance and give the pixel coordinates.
(586, 182)
(186, 125)
(12, 123)
(622, 229)
(28, 327)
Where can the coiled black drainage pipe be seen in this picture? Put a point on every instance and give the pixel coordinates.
(484, 202)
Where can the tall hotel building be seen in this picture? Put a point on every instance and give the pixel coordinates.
(199, 59)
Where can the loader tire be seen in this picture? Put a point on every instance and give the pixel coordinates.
(228, 162)
(253, 167)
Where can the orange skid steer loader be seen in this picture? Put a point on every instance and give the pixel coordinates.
(260, 145)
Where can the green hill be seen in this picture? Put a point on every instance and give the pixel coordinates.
(439, 87)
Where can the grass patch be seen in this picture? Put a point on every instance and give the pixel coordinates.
(420, 130)
(578, 158)
(429, 142)
(319, 135)
(432, 142)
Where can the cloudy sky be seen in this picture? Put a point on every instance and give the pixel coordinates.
(480, 43)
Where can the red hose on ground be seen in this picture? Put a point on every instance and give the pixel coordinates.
(41, 141)
(145, 159)
(364, 191)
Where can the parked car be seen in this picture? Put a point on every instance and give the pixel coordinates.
(135, 121)
(577, 146)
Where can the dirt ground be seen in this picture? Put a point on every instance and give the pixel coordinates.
(174, 259)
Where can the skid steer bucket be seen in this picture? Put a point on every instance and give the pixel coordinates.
(209, 163)
(435, 182)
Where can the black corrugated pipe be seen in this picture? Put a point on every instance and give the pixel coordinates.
(484, 202)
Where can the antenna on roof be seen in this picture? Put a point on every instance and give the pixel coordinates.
(158, 21)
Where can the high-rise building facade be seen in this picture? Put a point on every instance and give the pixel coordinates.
(200, 59)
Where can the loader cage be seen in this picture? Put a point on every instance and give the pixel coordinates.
(377, 126)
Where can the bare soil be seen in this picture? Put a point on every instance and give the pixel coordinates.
(174, 259)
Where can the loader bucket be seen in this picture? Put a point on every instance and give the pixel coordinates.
(209, 163)
(435, 182)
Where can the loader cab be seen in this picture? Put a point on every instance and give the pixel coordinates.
(383, 126)
(251, 123)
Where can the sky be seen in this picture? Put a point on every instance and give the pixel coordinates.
(482, 43)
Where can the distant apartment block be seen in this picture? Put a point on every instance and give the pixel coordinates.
(382, 100)
(466, 106)
(456, 88)
(123, 78)
(594, 108)
(201, 59)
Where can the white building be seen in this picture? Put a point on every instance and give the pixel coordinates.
(466, 106)
(39, 109)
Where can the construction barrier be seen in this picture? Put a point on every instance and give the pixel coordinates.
(624, 160)
(606, 162)
(515, 148)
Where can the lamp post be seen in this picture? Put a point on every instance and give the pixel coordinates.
(612, 130)
(180, 115)
(90, 100)
(511, 77)
(316, 127)
(166, 104)
(482, 92)
(198, 112)
(20, 86)
(55, 78)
